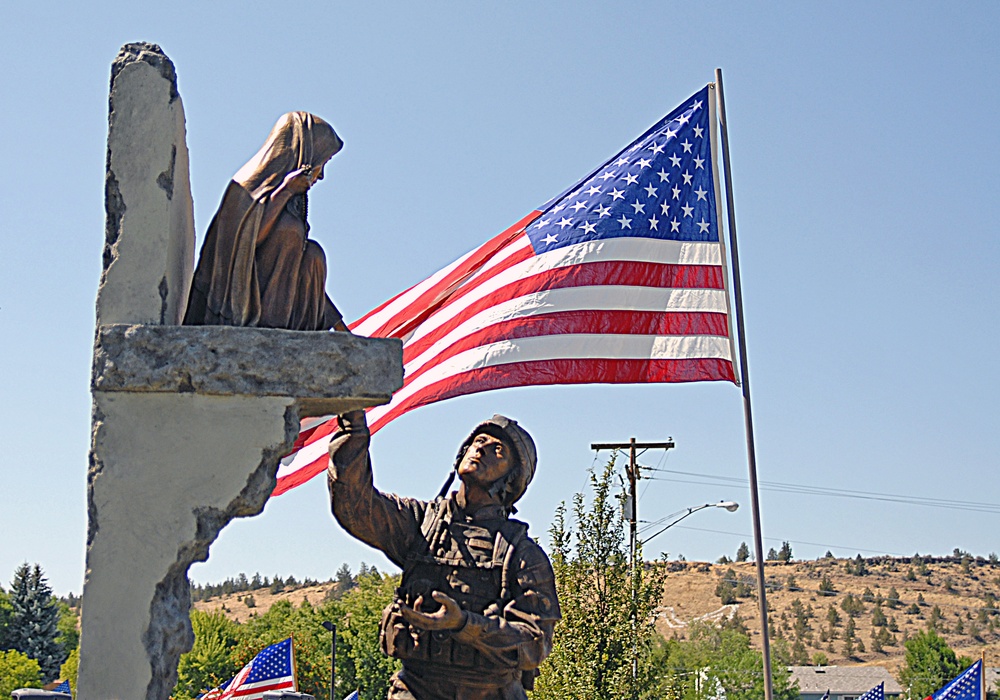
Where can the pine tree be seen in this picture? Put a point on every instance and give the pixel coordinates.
(785, 553)
(892, 599)
(878, 617)
(342, 583)
(832, 616)
(743, 552)
(34, 620)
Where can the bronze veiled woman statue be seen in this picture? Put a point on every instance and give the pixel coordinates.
(258, 266)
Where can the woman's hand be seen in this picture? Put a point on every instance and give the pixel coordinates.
(298, 181)
(448, 617)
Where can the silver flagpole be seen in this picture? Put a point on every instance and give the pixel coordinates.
(747, 414)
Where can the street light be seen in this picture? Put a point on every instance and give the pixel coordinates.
(731, 506)
(332, 629)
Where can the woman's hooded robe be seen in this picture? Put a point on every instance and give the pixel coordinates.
(273, 278)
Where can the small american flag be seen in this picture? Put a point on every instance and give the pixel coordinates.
(967, 686)
(63, 687)
(272, 669)
(620, 279)
(876, 693)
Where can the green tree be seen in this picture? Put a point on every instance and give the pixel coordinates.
(69, 628)
(17, 670)
(934, 621)
(343, 582)
(851, 605)
(600, 597)
(70, 669)
(785, 553)
(34, 620)
(878, 617)
(726, 592)
(361, 664)
(5, 612)
(721, 662)
(892, 598)
(826, 586)
(929, 664)
(832, 616)
(857, 567)
(743, 552)
(211, 660)
(311, 643)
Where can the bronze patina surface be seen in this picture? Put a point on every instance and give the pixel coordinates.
(475, 611)
(258, 266)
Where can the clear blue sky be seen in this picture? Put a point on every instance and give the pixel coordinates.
(865, 166)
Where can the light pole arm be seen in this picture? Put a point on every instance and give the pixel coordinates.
(670, 525)
(728, 505)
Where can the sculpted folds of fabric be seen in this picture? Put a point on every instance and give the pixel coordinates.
(257, 265)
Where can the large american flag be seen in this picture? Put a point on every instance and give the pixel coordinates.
(968, 686)
(620, 279)
(272, 669)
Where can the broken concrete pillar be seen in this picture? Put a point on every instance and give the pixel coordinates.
(147, 193)
(189, 422)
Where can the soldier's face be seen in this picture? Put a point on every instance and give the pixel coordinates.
(487, 459)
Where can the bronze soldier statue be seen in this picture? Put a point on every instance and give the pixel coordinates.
(474, 614)
(258, 266)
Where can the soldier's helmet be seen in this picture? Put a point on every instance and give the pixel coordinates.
(525, 457)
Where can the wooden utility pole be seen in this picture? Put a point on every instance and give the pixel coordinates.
(633, 542)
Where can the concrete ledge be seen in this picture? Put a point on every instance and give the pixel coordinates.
(319, 369)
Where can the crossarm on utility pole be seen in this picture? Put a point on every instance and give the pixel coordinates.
(633, 540)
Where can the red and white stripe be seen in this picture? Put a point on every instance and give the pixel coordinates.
(623, 310)
(608, 311)
(239, 689)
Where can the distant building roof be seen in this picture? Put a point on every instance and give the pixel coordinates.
(843, 679)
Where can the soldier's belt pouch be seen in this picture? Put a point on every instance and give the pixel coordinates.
(402, 641)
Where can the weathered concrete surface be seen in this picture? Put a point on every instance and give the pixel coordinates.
(326, 372)
(189, 423)
(180, 448)
(168, 472)
(150, 214)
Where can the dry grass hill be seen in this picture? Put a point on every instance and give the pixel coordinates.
(957, 595)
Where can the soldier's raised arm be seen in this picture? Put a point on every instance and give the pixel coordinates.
(385, 521)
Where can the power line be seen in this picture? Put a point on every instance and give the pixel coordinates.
(781, 539)
(784, 487)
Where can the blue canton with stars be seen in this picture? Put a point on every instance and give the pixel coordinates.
(660, 186)
(965, 687)
(876, 693)
(273, 662)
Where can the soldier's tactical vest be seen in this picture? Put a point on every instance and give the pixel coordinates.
(466, 561)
